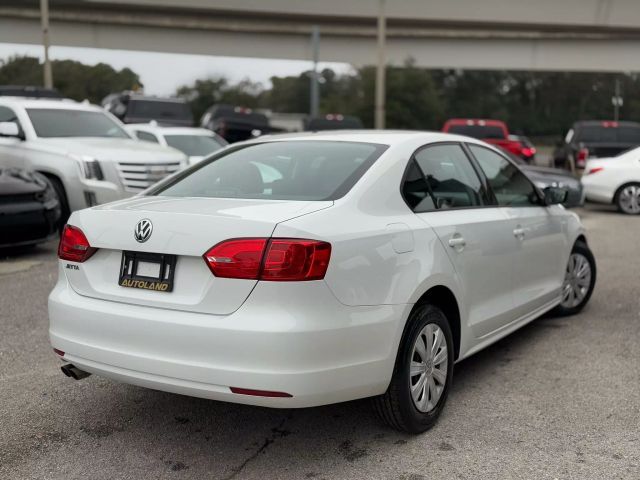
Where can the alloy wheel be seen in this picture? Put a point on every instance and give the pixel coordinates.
(629, 199)
(428, 370)
(577, 280)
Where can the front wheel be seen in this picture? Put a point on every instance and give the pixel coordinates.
(422, 374)
(579, 280)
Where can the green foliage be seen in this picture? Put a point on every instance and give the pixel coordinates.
(534, 103)
(73, 79)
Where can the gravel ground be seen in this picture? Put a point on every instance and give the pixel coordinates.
(559, 399)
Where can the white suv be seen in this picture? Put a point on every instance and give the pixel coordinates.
(83, 150)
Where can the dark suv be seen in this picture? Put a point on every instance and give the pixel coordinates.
(593, 139)
(134, 108)
(234, 123)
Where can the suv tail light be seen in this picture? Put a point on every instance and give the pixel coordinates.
(581, 158)
(594, 170)
(275, 259)
(74, 246)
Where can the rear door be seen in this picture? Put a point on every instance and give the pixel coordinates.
(539, 262)
(476, 235)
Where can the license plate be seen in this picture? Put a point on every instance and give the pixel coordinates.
(147, 271)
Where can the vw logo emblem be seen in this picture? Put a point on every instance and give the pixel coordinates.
(143, 230)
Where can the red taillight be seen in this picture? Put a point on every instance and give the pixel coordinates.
(58, 352)
(276, 259)
(528, 152)
(581, 158)
(74, 246)
(238, 258)
(259, 393)
(594, 170)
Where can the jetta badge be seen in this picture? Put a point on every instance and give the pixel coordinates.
(143, 230)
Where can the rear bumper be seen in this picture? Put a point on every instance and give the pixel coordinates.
(596, 193)
(292, 338)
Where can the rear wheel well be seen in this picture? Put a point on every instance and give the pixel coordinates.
(443, 298)
(581, 238)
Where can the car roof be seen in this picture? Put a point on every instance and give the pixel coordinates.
(384, 137)
(148, 127)
(62, 104)
(609, 123)
(486, 121)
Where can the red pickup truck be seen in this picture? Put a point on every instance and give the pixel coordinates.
(494, 132)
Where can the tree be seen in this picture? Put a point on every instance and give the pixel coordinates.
(72, 79)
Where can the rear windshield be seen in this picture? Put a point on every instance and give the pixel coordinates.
(602, 134)
(477, 131)
(286, 170)
(194, 145)
(159, 110)
(57, 122)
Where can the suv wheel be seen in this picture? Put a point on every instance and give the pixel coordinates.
(422, 374)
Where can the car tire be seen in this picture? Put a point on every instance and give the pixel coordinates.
(624, 201)
(62, 198)
(578, 285)
(398, 406)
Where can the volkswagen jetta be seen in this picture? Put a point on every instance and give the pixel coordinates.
(303, 270)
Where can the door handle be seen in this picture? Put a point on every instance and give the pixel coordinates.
(519, 233)
(457, 242)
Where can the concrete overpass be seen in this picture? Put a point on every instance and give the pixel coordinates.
(579, 35)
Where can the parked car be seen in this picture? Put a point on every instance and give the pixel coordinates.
(195, 143)
(494, 132)
(615, 181)
(527, 149)
(367, 265)
(544, 177)
(235, 124)
(29, 208)
(333, 121)
(84, 152)
(130, 107)
(595, 139)
(29, 91)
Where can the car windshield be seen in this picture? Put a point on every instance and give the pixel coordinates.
(194, 145)
(282, 170)
(57, 122)
(602, 134)
(477, 131)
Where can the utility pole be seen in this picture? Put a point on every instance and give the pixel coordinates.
(315, 87)
(44, 20)
(617, 101)
(380, 69)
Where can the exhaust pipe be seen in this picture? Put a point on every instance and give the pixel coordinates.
(74, 372)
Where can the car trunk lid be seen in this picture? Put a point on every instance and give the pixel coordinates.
(184, 227)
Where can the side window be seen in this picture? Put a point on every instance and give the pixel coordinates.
(450, 176)
(146, 137)
(8, 115)
(510, 186)
(415, 189)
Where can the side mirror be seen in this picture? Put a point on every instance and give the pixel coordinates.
(9, 129)
(555, 195)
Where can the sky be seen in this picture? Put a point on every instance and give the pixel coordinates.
(158, 79)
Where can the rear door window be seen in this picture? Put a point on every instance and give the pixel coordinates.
(450, 177)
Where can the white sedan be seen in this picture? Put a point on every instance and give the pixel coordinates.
(195, 143)
(615, 180)
(303, 270)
